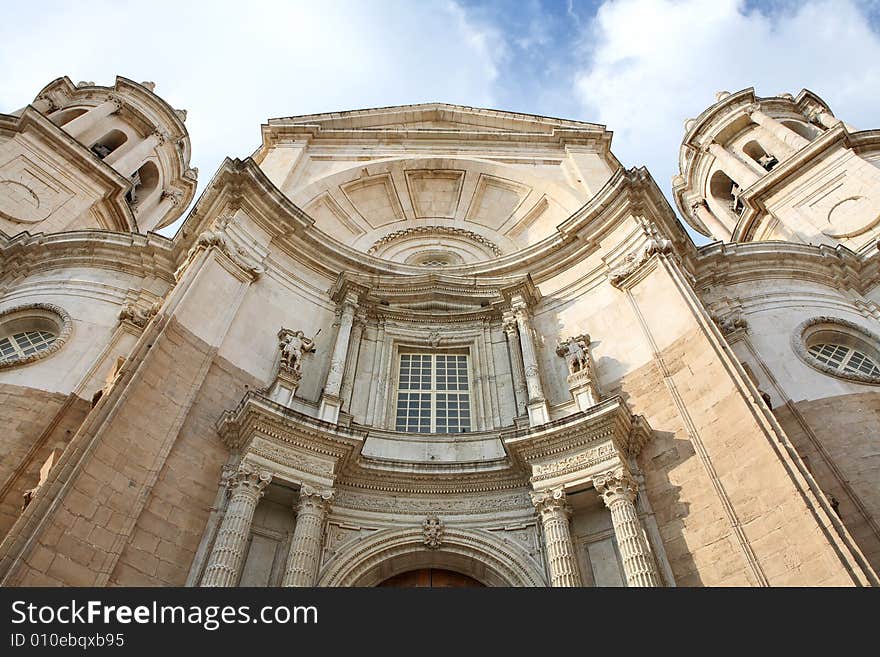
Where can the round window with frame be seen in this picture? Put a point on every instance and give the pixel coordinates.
(840, 348)
(32, 332)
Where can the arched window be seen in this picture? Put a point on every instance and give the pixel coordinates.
(755, 151)
(109, 143)
(844, 358)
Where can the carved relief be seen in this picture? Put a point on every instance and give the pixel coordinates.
(432, 529)
(580, 461)
(137, 316)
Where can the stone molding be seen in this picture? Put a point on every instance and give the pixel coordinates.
(355, 564)
(798, 344)
(429, 231)
(64, 333)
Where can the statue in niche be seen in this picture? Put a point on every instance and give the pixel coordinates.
(576, 353)
(294, 345)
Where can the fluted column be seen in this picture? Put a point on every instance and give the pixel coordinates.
(715, 226)
(516, 359)
(777, 129)
(128, 159)
(246, 487)
(85, 122)
(304, 557)
(618, 491)
(737, 170)
(554, 512)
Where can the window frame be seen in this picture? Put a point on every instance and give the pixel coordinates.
(840, 333)
(433, 390)
(33, 317)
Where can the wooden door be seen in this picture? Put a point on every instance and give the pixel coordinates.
(430, 578)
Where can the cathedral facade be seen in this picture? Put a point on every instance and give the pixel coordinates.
(437, 345)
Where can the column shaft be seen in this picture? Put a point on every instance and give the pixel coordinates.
(304, 557)
(128, 158)
(713, 224)
(736, 169)
(618, 491)
(224, 566)
(85, 122)
(357, 333)
(779, 130)
(340, 351)
(530, 358)
(561, 561)
(516, 362)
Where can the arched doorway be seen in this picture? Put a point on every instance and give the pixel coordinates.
(433, 578)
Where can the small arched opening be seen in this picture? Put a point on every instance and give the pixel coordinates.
(760, 155)
(144, 182)
(725, 193)
(109, 143)
(65, 116)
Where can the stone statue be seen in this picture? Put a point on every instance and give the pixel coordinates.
(575, 351)
(293, 345)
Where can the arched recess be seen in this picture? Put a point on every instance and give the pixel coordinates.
(475, 553)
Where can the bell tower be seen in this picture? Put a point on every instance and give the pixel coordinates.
(86, 156)
(779, 168)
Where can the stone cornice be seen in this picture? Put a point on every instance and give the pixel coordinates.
(240, 184)
(133, 253)
(837, 267)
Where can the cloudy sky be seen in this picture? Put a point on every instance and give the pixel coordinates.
(639, 66)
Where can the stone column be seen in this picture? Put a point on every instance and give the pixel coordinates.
(304, 557)
(537, 404)
(246, 488)
(330, 399)
(715, 226)
(782, 132)
(737, 170)
(357, 334)
(85, 122)
(128, 158)
(554, 512)
(618, 491)
(516, 363)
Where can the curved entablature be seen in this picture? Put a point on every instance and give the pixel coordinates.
(489, 182)
(136, 133)
(745, 149)
(240, 185)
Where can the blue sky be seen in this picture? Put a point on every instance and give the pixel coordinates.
(641, 67)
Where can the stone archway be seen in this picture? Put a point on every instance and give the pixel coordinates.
(476, 554)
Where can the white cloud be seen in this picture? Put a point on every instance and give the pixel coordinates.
(233, 64)
(655, 63)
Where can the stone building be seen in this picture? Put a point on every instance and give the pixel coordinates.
(437, 345)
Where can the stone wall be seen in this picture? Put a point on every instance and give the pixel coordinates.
(837, 438)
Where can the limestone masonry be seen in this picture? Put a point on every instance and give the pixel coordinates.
(437, 345)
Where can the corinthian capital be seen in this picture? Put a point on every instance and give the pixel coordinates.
(550, 502)
(615, 485)
(249, 479)
(313, 499)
